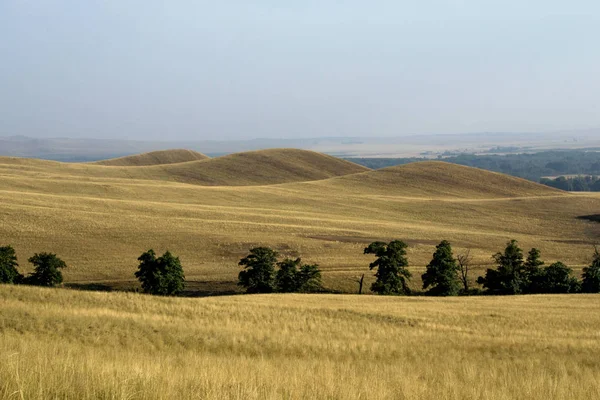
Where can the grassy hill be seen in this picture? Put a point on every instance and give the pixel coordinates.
(440, 179)
(173, 156)
(99, 219)
(241, 169)
(57, 343)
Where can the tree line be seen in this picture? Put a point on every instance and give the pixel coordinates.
(263, 272)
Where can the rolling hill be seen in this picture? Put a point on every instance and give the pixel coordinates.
(99, 219)
(440, 179)
(264, 167)
(173, 156)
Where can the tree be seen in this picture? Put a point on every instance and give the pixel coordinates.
(508, 278)
(391, 263)
(286, 279)
(162, 276)
(556, 278)
(464, 266)
(442, 272)
(8, 266)
(591, 275)
(533, 273)
(259, 270)
(46, 272)
(309, 278)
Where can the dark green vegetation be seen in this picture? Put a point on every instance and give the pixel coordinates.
(441, 275)
(8, 265)
(258, 275)
(162, 275)
(529, 166)
(445, 275)
(391, 264)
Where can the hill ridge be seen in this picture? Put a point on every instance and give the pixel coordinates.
(159, 157)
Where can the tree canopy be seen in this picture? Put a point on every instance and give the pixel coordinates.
(163, 275)
(8, 265)
(258, 275)
(392, 273)
(441, 275)
(47, 268)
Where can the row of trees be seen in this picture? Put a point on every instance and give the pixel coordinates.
(446, 275)
(46, 268)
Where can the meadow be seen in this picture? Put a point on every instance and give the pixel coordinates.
(59, 343)
(99, 219)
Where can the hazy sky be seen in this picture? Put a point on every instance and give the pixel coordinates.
(270, 68)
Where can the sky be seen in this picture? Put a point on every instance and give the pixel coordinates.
(196, 70)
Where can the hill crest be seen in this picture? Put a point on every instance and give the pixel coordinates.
(160, 157)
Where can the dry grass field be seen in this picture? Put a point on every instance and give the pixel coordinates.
(99, 219)
(155, 158)
(57, 343)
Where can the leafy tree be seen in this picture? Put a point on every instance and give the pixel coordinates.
(556, 278)
(259, 270)
(293, 276)
(309, 278)
(286, 279)
(163, 275)
(442, 272)
(533, 273)
(591, 275)
(47, 268)
(391, 263)
(8, 266)
(509, 277)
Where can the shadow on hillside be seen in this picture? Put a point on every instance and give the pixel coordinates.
(94, 287)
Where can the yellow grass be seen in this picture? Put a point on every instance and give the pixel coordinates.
(100, 219)
(155, 158)
(57, 343)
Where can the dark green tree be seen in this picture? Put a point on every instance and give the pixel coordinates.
(162, 276)
(442, 272)
(8, 266)
(591, 275)
(557, 278)
(286, 279)
(509, 277)
(309, 278)
(391, 263)
(533, 272)
(46, 272)
(258, 275)
(293, 276)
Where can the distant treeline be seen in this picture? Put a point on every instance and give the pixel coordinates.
(529, 166)
(446, 274)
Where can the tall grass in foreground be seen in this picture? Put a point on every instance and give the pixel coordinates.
(69, 344)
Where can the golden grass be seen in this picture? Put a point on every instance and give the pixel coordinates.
(99, 221)
(155, 158)
(57, 343)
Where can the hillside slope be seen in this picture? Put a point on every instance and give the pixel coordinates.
(173, 156)
(440, 179)
(264, 167)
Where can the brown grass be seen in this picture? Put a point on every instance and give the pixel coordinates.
(76, 345)
(173, 156)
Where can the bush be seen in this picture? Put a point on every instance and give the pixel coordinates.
(162, 275)
(8, 266)
(47, 268)
(556, 278)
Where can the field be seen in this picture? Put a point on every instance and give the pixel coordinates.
(57, 343)
(99, 219)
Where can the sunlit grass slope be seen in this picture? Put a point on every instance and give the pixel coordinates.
(81, 345)
(155, 158)
(262, 167)
(100, 223)
(440, 179)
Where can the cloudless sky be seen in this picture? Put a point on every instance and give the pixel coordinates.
(269, 68)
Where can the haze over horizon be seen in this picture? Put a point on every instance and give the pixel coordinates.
(198, 70)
